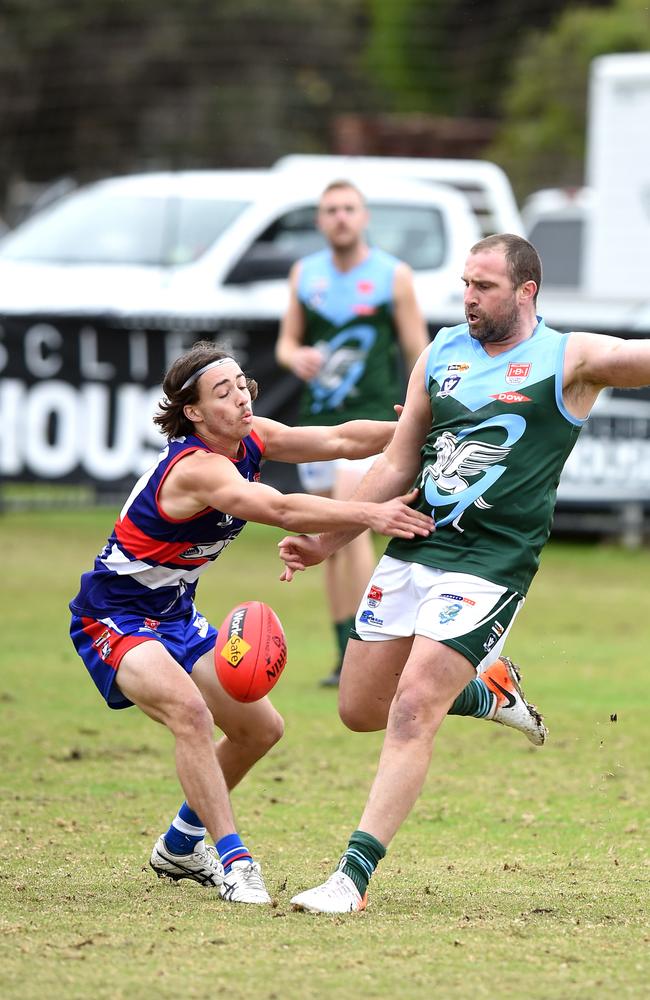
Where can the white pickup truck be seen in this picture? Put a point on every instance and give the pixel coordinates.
(100, 291)
(483, 183)
(217, 241)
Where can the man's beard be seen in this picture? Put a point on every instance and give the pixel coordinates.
(494, 331)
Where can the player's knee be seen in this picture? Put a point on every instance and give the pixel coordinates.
(413, 715)
(192, 718)
(258, 739)
(360, 718)
(273, 731)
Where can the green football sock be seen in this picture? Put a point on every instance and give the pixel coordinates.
(475, 699)
(363, 854)
(342, 630)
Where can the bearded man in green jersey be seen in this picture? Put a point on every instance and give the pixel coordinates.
(493, 409)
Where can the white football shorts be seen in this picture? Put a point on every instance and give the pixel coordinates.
(319, 477)
(465, 612)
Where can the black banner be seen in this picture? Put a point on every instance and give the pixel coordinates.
(77, 394)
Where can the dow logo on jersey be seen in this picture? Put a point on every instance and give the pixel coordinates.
(465, 467)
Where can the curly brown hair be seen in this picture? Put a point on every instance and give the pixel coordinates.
(170, 416)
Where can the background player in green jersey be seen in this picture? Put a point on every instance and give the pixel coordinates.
(488, 473)
(352, 311)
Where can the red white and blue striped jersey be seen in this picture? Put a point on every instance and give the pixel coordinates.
(151, 563)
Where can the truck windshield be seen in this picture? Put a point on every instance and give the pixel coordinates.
(414, 233)
(97, 226)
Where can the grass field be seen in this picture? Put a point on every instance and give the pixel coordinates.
(520, 873)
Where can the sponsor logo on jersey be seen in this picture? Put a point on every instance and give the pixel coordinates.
(465, 467)
(449, 613)
(374, 596)
(511, 397)
(457, 597)
(365, 287)
(367, 618)
(448, 385)
(364, 309)
(462, 366)
(518, 373)
(208, 550)
(316, 294)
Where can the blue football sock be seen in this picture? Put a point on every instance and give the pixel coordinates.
(231, 849)
(185, 831)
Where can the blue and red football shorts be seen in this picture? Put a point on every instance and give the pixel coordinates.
(102, 643)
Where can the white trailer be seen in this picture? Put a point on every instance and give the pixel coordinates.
(616, 259)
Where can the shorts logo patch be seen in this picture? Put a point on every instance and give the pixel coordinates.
(102, 644)
(457, 597)
(367, 618)
(374, 596)
(150, 623)
(496, 632)
(449, 613)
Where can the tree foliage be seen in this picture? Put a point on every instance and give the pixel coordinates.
(451, 57)
(545, 106)
(93, 87)
(99, 86)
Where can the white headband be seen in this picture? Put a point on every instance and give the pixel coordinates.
(206, 368)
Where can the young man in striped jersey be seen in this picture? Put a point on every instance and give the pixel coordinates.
(134, 622)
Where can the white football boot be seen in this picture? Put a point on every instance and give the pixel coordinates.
(202, 865)
(338, 894)
(510, 706)
(244, 884)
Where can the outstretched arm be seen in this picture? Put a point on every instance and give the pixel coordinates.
(353, 439)
(290, 350)
(593, 361)
(391, 475)
(209, 480)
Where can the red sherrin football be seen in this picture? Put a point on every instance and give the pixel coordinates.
(250, 652)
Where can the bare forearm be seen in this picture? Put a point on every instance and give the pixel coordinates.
(362, 438)
(382, 482)
(302, 513)
(396, 517)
